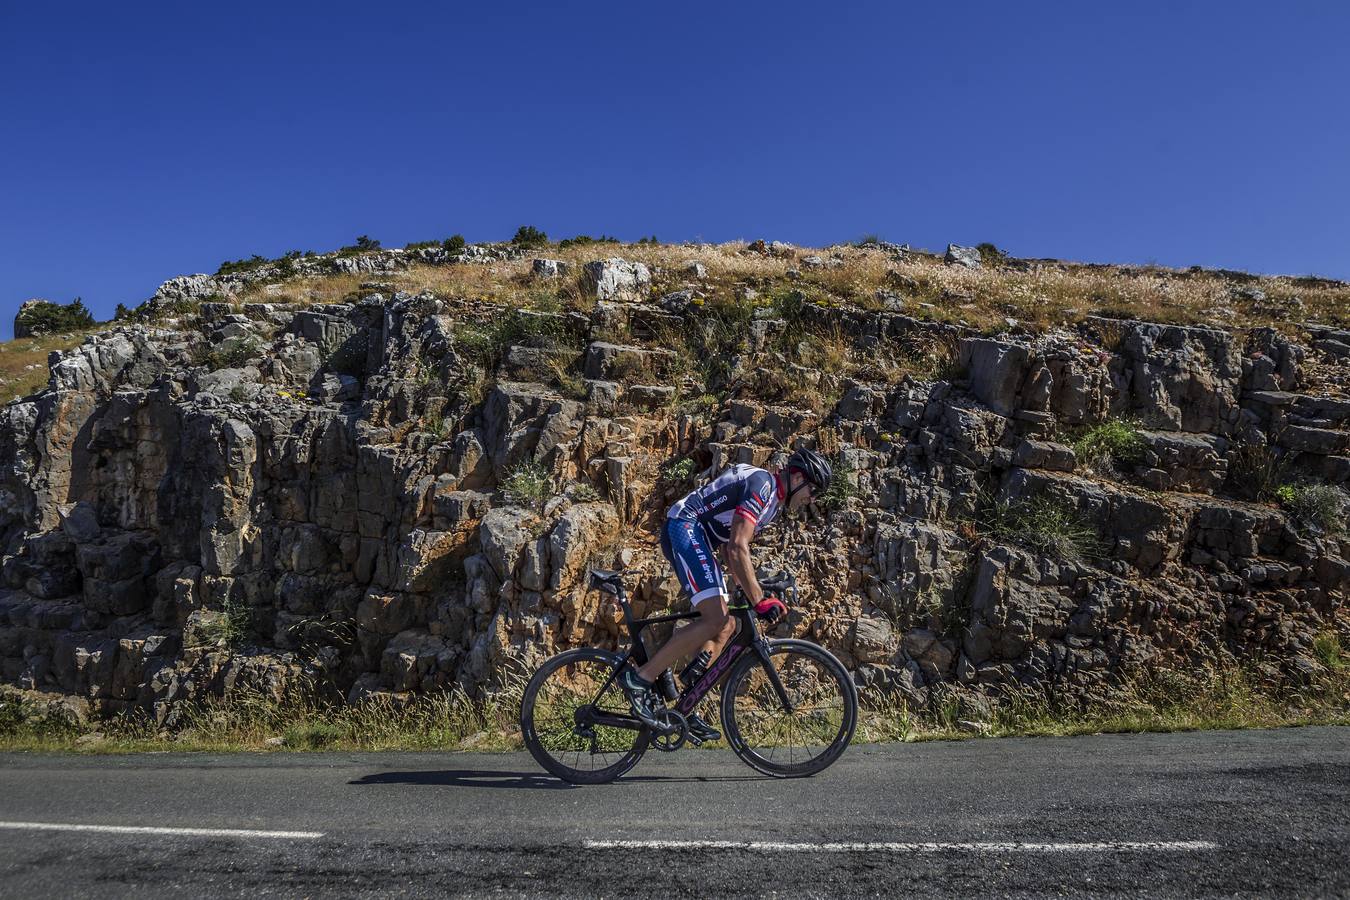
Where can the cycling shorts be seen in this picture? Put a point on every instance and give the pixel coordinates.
(686, 545)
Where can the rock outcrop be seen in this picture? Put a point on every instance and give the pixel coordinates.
(325, 504)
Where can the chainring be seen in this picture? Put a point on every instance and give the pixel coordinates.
(675, 728)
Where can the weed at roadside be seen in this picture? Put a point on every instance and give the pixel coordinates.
(1330, 651)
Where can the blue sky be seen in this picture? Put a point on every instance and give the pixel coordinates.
(140, 141)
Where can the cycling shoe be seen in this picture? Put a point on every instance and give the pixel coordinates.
(700, 731)
(641, 698)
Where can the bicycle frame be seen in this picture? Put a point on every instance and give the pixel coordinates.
(747, 637)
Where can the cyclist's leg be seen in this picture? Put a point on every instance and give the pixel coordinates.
(714, 646)
(690, 553)
(686, 641)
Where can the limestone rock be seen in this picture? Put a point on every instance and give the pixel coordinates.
(617, 279)
(549, 268)
(339, 491)
(965, 257)
(582, 530)
(873, 639)
(503, 533)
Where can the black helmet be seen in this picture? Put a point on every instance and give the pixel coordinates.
(813, 467)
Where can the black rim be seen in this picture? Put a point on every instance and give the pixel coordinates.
(562, 704)
(813, 733)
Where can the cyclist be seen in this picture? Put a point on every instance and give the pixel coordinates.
(728, 512)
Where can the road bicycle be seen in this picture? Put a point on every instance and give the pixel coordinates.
(788, 707)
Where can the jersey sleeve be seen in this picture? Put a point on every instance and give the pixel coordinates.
(758, 493)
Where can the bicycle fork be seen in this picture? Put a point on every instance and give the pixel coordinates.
(761, 648)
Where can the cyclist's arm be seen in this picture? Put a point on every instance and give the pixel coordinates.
(737, 555)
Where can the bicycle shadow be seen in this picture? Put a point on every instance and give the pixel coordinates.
(483, 778)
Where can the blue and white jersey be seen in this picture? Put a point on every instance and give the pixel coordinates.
(745, 491)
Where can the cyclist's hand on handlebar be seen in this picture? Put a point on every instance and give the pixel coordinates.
(771, 610)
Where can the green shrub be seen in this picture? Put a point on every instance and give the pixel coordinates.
(843, 486)
(486, 343)
(990, 256)
(651, 239)
(285, 263)
(364, 244)
(55, 318)
(1115, 441)
(1044, 524)
(13, 712)
(528, 484)
(702, 405)
(234, 267)
(229, 354)
(679, 471)
(436, 425)
(1320, 507)
(582, 240)
(715, 340)
(529, 236)
(583, 492)
(452, 244)
(227, 627)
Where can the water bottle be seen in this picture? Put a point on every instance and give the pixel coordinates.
(668, 688)
(696, 669)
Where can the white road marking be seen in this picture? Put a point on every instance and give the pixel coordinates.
(146, 829)
(913, 847)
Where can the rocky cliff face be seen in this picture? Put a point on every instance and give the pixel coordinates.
(269, 497)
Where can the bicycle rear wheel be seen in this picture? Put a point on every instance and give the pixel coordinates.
(560, 740)
(786, 744)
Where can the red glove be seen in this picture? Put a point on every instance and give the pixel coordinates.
(771, 610)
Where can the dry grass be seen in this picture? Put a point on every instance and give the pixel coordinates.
(23, 362)
(440, 721)
(1167, 700)
(308, 290)
(1038, 294)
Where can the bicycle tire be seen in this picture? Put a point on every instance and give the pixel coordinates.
(558, 739)
(745, 703)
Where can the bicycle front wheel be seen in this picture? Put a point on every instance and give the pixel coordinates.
(557, 730)
(796, 742)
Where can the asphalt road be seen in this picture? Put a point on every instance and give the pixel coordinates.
(1257, 813)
